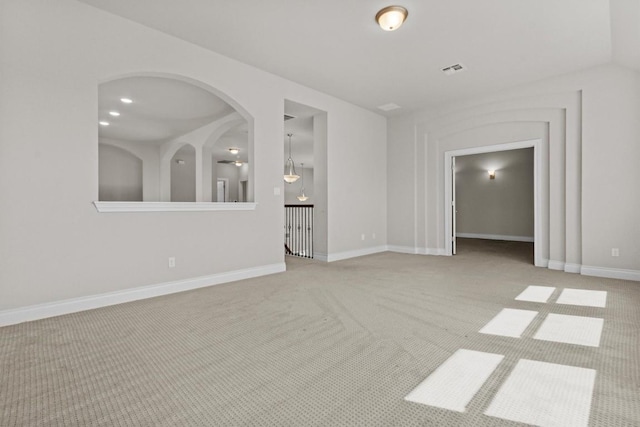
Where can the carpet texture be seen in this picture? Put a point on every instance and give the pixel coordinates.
(337, 344)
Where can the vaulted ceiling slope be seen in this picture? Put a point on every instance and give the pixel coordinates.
(336, 47)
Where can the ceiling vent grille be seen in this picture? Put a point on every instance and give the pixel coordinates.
(452, 69)
(288, 117)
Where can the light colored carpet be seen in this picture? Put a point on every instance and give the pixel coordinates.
(337, 344)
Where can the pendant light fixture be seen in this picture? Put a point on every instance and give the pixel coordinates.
(290, 167)
(302, 197)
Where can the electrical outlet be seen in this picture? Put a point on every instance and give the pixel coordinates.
(172, 262)
(615, 252)
(373, 236)
(362, 236)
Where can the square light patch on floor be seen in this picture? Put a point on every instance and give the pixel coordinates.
(509, 323)
(454, 383)
(536, 293)
(571, 330)
(583, 297)
(545, 394)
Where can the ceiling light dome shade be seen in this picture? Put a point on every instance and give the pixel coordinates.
(302, 197)
(391, 17)
(290, 169)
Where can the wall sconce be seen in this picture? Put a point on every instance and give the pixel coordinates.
(492, 174)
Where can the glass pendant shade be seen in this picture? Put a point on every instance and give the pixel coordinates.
(290, 167)
(291, 175)
(302, 197)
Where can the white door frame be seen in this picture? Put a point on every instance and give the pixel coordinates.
(537, 190)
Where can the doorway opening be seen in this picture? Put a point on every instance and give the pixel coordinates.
(305, 199)
(492, 180)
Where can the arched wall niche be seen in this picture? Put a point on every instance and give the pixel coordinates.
(167, 113)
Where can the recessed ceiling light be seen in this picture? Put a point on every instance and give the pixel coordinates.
(234, 150)
(388, 107)
(103, 123)
(126, 100)
(114, 113)
(238, 163)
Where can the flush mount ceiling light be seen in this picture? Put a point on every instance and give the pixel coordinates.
(391, 17)
(238, 163)
(126, 100)
(234, 150)
(290, 167)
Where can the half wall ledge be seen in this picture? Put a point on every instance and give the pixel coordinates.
(121, 207)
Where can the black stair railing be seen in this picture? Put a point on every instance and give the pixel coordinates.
(298, 230)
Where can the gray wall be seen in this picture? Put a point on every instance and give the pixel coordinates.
(183, 176)
(589, 128)
(500, 207)
(120, 175)
(54, 245)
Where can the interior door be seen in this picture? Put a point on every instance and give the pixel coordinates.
(453, 205)
(221, 191)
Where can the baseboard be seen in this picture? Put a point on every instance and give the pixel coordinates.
(403, 249)
(496, 237)
(58, 308)
(415, 250)
(320, 257)
(358, 252)
(435, 251)
(572, 268)
(556, 265)
(610, 273)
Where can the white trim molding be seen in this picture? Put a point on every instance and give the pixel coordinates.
(556, 265)
(320, 257)
(496, 237)
(411, 250)
(610, 273)
(356, 253)
(118, 207)
(58, 308)
(572, 268)
(416, 251)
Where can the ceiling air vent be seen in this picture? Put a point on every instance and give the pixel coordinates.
(288, 117)
(455, 68)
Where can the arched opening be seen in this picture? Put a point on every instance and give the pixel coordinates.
(164, 119)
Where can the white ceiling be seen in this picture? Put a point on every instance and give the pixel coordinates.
(336, 47)
(162, 108)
